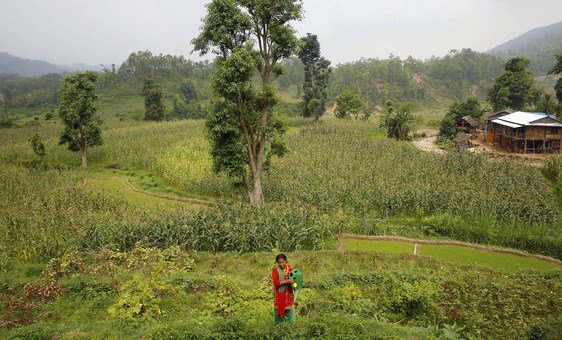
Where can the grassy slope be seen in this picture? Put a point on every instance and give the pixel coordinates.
(154, 148)
(136, 198)
(345, 293)
(456, 254)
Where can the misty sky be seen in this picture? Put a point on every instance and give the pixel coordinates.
(97, 32)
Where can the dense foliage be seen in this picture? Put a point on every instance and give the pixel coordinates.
(317, 73)
(464, 73)
(242, 115)
(32, 92)
(144, 64)
(349, 104)
(398, 120)
(515, 88)
(557, 69)
(154, 107)
(171, 294)
(470, 107)
(77, 110)
(457, 75)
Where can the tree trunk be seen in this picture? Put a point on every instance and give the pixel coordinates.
(84, 159)
(255, 192)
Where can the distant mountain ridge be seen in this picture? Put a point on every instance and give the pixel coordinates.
(10, 64)
(539, 45)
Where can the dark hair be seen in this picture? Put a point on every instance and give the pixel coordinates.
(280, 256)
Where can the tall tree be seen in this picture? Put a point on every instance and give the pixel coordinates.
(82, 127)
(513, 89)
(397, 120)
(188, 91)
(317, 73)
(153, 101)
(248, 36)
(557, 69)
(547, 104)
(349, 104)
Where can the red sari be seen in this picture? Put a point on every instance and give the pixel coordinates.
(282, 299)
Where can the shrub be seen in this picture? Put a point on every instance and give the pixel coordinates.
(137, 298)
(35, 332)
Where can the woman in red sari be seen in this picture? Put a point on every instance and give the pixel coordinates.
(283, 292)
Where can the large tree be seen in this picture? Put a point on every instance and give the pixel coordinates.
(249, 37)
(154, 106)
(349, 104)
(515, 88)
(317, 73)
(557, 69)
(82, 127)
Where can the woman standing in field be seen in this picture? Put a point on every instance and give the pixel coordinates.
(282, 292)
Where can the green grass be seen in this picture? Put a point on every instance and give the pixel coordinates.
(347, 295)
(288, 95)
(147, 181)
(458, 254)
(133, 197)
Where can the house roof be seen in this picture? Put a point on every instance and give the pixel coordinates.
(519, 119)
(508, 124)
(499, 114)
(471, 121)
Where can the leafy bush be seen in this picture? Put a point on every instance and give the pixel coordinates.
(137, 298)
(88, 287)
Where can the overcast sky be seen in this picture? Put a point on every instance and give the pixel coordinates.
(96, 32)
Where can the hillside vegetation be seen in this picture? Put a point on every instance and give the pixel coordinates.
(539, 45)
(82, 258)
(430, 84)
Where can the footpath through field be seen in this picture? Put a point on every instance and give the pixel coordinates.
(506, 260)
(141, 197)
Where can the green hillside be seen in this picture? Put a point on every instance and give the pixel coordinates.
(539, 45)
(150, 242)
(10, 64)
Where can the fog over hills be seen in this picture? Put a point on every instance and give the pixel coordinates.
(539, 45)
(10, 64)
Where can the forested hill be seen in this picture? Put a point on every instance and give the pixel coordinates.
(456, 76)
(539, 45)
(10, 64)
(428, 84)
(13, 65)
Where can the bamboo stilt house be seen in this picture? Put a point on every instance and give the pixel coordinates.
(525, 132)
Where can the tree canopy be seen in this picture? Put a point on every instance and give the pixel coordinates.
(513, 89)
(154, 106)
(350, 105)
(397, 120)
(249, 37)
(317, 73)
(557, 69)
(82, 127)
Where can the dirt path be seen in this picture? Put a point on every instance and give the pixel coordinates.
(152, 194)
(428, 145)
